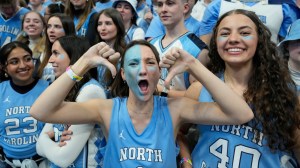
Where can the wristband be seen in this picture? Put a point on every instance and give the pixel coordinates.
(184, 159)
(164, 92)
(72, 75)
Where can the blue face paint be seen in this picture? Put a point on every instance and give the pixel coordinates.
(247, 37)
(153, 68)
(221, 38)
(132, 68)
(61, 56)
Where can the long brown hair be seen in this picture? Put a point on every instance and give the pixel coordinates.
(70, 10)
(119, 43)
(69, 29)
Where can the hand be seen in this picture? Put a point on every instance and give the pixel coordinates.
(51, 134)
(65, 136)
(177, 61)
(102, 54)
(159, 88)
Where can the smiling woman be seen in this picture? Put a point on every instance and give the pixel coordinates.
(18, 92)
(33, 26)
(244, 57)
(75, 152)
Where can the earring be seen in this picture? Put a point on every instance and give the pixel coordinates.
(125, 82)
(6, 75)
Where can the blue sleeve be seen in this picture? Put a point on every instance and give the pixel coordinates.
(193, 25)
(155, 29)
(210, 17)
(143, 24)
(289, 16)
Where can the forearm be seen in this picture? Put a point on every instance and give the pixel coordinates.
(238, 111)
(55, 96)
(184, 151)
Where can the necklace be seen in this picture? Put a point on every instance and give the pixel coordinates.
(237, 90)
(141, 113)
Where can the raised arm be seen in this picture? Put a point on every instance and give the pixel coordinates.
(55, 110)
(231, 108)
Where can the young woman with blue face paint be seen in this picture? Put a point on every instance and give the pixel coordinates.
(80, 150)
(141, 127)
(58, 25)
(243, 56)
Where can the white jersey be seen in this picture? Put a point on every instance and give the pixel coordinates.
(188, 42)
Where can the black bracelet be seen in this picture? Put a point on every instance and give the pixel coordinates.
(164, 94)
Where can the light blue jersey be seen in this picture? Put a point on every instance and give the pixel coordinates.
(277, 19)
(235, 146)
(154, 147)
(10, 28)
(19, 131)
(188, 42)
(156, 27)
(83, 29)
(92, 153)
(129, 33)
(101, 70)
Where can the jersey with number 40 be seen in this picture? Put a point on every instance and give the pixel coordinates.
(235, 146)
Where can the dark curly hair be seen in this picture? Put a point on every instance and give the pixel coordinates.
(271, 90)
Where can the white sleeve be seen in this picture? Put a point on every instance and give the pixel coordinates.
(90, 92)
(40, 144)
(138, 34)
(66, 155)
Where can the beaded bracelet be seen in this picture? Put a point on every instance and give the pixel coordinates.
(184, 159)
(72, 75)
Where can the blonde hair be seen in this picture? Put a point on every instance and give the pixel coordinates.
(39, 48)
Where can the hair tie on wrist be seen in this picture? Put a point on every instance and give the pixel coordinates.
(184, 159)
(72, 75)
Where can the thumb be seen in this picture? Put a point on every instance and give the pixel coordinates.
(169, 78)
(111, 67)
